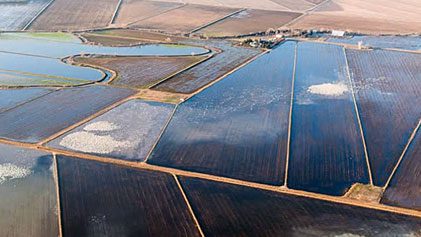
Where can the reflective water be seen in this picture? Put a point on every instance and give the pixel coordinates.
(399, 42)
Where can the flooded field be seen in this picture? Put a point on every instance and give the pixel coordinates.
(15, 16)
(142, 72)
(26, 58)
(15, 97)
(397, 42)
(404, 188)
(388, 90)
(327, 154)
(106, 200)
(28, 203)
(229, 210)
(63, 108)
(114, 135)
(238, 127)
(210, 70)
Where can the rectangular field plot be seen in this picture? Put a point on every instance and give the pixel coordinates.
(295, 5)
(126, 132)
(43, 117)
(15, 16)
(261, 4)
(404, 188)
(185, 19)
(210, 70)
(238, 127)
(229, 210)
(132, 11)
(397, 42)
(388, 92)
(248, 22)
(75, 15)
(141, 72)
(28, 203)
(327, 154)
(11, 98)
(106, 200)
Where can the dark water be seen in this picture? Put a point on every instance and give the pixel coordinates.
(14, 97)
(404, 188)
(388, 92)
(238, 127)
(106, 200)
(229, 210)
(43, 117)
(398, 42)
(28, 198)
(327, 154)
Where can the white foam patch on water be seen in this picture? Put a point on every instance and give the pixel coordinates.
(10, 171)
(328, 89)
(89, 142)
(102, 126)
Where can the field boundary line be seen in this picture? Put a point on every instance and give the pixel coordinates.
(37, 15)
(210, 177)
(164, 128)
(411, 138)
(186, 200)
(218, 79)
(216, 21)
(160, 13)
(282, 5)
(306, 13)
(114, 16)
(290, 116)
(85, 120)
(28, 101)
(357, 113)
(57, 189)
(159, 82)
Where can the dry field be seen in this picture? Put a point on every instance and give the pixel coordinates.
(366, 16)
(248, 22)
(135, 10)
(185, 19)
(253, 4)
(75, 15)
(295, 5)
(141, 72)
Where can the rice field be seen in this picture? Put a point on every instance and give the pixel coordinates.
(28, 201)
(75, 15)
(184, 19)
(327, 153)
(113, 135)
(229, 210)
(107, 200)
(16, 15)
(49, 114)
(248, 22)
(388, 94)
(238, 127)
(384, 42)
(404, 188)
(210, 70)
(141, 72)
(15, 97)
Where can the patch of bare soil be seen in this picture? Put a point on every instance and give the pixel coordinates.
(162, 96)
(365, 192)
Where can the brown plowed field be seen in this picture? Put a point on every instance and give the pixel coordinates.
(75, 15)
(295, 5)
(135, 10)
(248, 22)
(253, 4)
(366, 16)
(184, 19)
